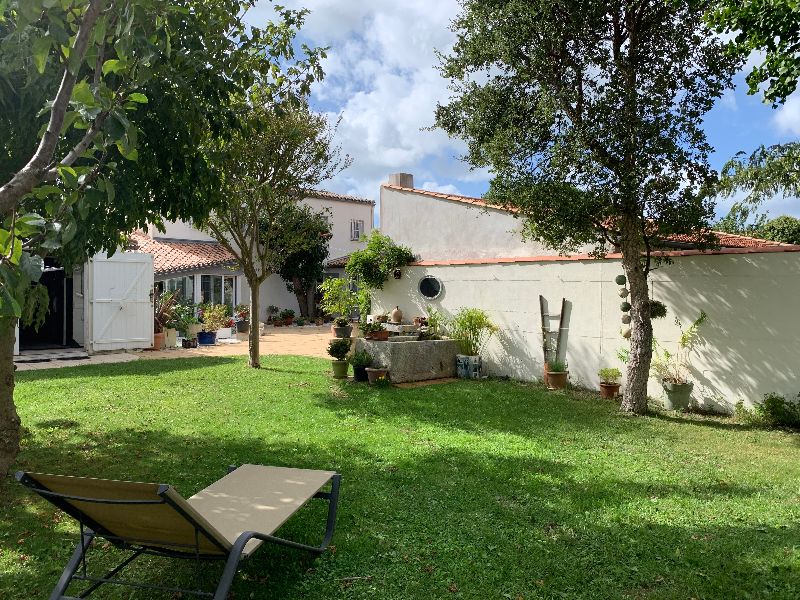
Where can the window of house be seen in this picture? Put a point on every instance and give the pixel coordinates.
(218, 289)
(184, 286)
(356, 230)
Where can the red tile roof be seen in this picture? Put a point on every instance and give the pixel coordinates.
(173, 256)
(340, 262)
(726, 240)
(325, 195)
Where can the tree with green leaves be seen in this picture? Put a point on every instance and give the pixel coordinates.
(589, 115)
(302, 270)
(771, 27)
(784, 229)
(281, 151)
(104, 105)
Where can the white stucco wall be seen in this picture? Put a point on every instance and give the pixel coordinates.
(436, 228)
(751, 342)
(179, 230)
(341, 213)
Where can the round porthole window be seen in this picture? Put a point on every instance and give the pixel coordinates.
(430, 287)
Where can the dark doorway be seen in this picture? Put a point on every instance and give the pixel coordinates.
(56, 331)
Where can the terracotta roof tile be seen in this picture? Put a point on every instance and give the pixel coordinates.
(172, 256)
(325, 195)
(340, 262)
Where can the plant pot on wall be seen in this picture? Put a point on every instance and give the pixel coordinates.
(379, 336)
(678, 395)
(342, 332)
(469, 367)
(339, 368)
(207, 338)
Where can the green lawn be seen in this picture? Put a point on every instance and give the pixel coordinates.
(476, 490)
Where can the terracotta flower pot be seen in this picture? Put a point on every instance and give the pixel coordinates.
(379, 336)
(609, 391)
(557, 380)
(376, 374)
(159, 340)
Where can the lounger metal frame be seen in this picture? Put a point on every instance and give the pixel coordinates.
(76, 568)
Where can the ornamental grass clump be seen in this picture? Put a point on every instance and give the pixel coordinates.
(472, 329)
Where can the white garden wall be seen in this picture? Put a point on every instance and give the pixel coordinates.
(751, 342)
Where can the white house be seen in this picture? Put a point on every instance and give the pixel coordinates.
(473, 255)
(107, 304)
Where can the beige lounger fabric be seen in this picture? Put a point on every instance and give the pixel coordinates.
(159, 524)
(256, 498)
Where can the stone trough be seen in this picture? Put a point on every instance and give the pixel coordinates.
(410, 360)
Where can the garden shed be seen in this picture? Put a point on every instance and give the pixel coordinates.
(472, 254)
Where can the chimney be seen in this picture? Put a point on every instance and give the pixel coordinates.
(404, 180)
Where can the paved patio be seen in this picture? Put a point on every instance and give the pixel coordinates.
(301, 341)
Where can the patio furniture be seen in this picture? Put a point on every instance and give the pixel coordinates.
(227, 521)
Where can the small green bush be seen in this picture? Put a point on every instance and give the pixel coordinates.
(557, 366)
(774, 411)
(287, 313)
(360, 359)
(339, 348)
(610, 375)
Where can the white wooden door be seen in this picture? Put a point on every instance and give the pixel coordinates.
(121, 301)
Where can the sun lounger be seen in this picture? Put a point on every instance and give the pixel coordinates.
(227, 521)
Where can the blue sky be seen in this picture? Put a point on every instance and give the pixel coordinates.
(381, 78)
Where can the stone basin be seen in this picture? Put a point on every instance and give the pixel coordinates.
(410, 360)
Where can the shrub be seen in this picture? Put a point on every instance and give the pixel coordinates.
(374, 327)
(373, 265)
(472, 329)
(300, 321)
(214, 316)
(339, 348)
(360, 359)
(557, 366)
(610, 375)
(287, 313)
(776, 411)
(342, 321)
(337, 297)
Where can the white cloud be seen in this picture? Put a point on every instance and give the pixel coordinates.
(381, 76)
(787, 117)
(432, 186)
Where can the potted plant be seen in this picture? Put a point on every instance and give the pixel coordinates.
(338, 349)
(163, 312)
(609, 382)
(287, 316)
(342, 328)
(375, 331)
(272, 312)
(382, 318)
(557, 374)
(338, 299)
(360, 360)
(242, 316)
(673, 369)
(185, 315)
(472, 329)
(213, 317)
(377, 374)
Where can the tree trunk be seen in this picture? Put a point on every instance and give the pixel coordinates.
(9, 419)
(254, 341)
(635, 399)
(305, 299)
